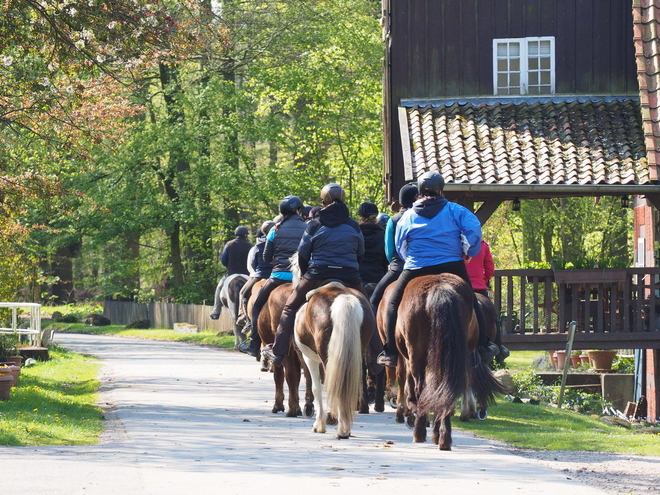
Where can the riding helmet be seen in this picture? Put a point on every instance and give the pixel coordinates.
(431, 183)
(290, 204)
(266, 226)
(241, 231)
(367, 208)
(408, 194)
(332, 192)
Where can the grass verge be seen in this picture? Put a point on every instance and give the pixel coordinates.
(54, 404)
(548, 428)
(201, 338)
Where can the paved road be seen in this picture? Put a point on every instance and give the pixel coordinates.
(187, 419)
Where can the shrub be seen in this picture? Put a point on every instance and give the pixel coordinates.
(8, 343)
(529, 384)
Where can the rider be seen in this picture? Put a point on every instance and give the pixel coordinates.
(281, 242)
(330, 249)
(260, 270)
(407, 196)
(373, 265)
(234, 257)
(434, 237)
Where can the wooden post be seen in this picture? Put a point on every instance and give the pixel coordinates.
(653, 384)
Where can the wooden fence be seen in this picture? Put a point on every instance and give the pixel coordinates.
(613, 308)
(165, 315)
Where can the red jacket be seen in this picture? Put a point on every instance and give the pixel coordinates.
(481, 267)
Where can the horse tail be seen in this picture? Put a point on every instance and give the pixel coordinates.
(343, 372)
(483, 383)
(447, 365)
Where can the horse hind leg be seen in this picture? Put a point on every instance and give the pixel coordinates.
(444, 433)
(278, 378)
(468, 406)
(292, 373)
(313, 362)
(419, 430)
(379, 404)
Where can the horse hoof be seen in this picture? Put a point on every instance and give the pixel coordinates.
(342, 437)
(379, 407)
(392, 402)
(331, 420)
(277, 409)
(309, 410)
(444, 447)
(410, 422)
(363, 410)
(482, 414)
(292, 414)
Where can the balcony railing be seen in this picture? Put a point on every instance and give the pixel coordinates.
(614, 308)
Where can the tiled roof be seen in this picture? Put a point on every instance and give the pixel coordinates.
(646, 22)
(531, 142)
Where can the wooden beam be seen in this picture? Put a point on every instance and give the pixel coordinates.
(487, 209)
(654, 199)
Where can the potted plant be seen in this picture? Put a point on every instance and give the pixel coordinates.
(575, 359)
(601, 360)
(584, 358)
(9, 350)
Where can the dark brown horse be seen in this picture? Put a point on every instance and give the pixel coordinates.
(332, 332)
(269, 318)
(436, 334)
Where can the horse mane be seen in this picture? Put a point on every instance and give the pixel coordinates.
(295, 269)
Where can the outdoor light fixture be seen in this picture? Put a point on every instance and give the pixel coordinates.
(516, 204)
(625, 201)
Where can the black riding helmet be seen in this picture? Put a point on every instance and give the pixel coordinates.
(431, 183)
(241, 232)
(408, 195)
(332, 192)
(290, 204)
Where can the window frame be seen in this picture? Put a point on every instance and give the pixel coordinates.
(524, 59)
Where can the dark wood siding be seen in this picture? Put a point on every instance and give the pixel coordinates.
(443, 48)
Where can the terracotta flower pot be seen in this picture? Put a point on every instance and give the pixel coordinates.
(584, 358)
(601, 360)
(11, 370)
(575, 360)
(17, 360)
(6, 383)
(553, 359)
(561, 359)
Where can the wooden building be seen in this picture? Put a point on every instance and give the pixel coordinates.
(518, 99)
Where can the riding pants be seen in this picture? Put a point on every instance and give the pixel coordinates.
(297, 298)
(261, 299)
(379, 291)
(454, 267)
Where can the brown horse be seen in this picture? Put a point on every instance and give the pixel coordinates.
(436, 334)
(332, 332)
(269, 318)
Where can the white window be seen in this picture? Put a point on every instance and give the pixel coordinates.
(524, 66)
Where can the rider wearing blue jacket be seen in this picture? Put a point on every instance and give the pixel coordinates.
(435, 236)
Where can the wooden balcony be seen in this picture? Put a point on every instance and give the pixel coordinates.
(614, 308)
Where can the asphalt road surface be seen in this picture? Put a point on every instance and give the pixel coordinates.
(184, 419)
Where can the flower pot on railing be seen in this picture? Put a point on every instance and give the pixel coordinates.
(601, 360)
(575, 360)
(561, 359)
(584, 358)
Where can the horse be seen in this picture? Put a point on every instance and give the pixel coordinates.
(436, 335)
(332, 331)
(290, 370)
(227, 295)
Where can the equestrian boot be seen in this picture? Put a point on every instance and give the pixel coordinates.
(276, 359)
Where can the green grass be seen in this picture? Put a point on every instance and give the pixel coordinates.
(54, 403)
(201, 338)
(520, 360)
(548, 428)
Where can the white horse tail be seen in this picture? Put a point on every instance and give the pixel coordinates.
(343, 372)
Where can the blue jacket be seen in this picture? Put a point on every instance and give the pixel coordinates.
(261, 268)
(431, 232)
(332, 245)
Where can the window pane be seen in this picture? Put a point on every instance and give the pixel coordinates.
(502, 80)
(533, 48)
(533, 78)
(545, 47)
(545, 78)
(545, 90)
(534, 90)
(533, 63)
(514, 65)
(502, 50)
(545, 63)
(514, 50)
(502, 65)
(515, 80)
